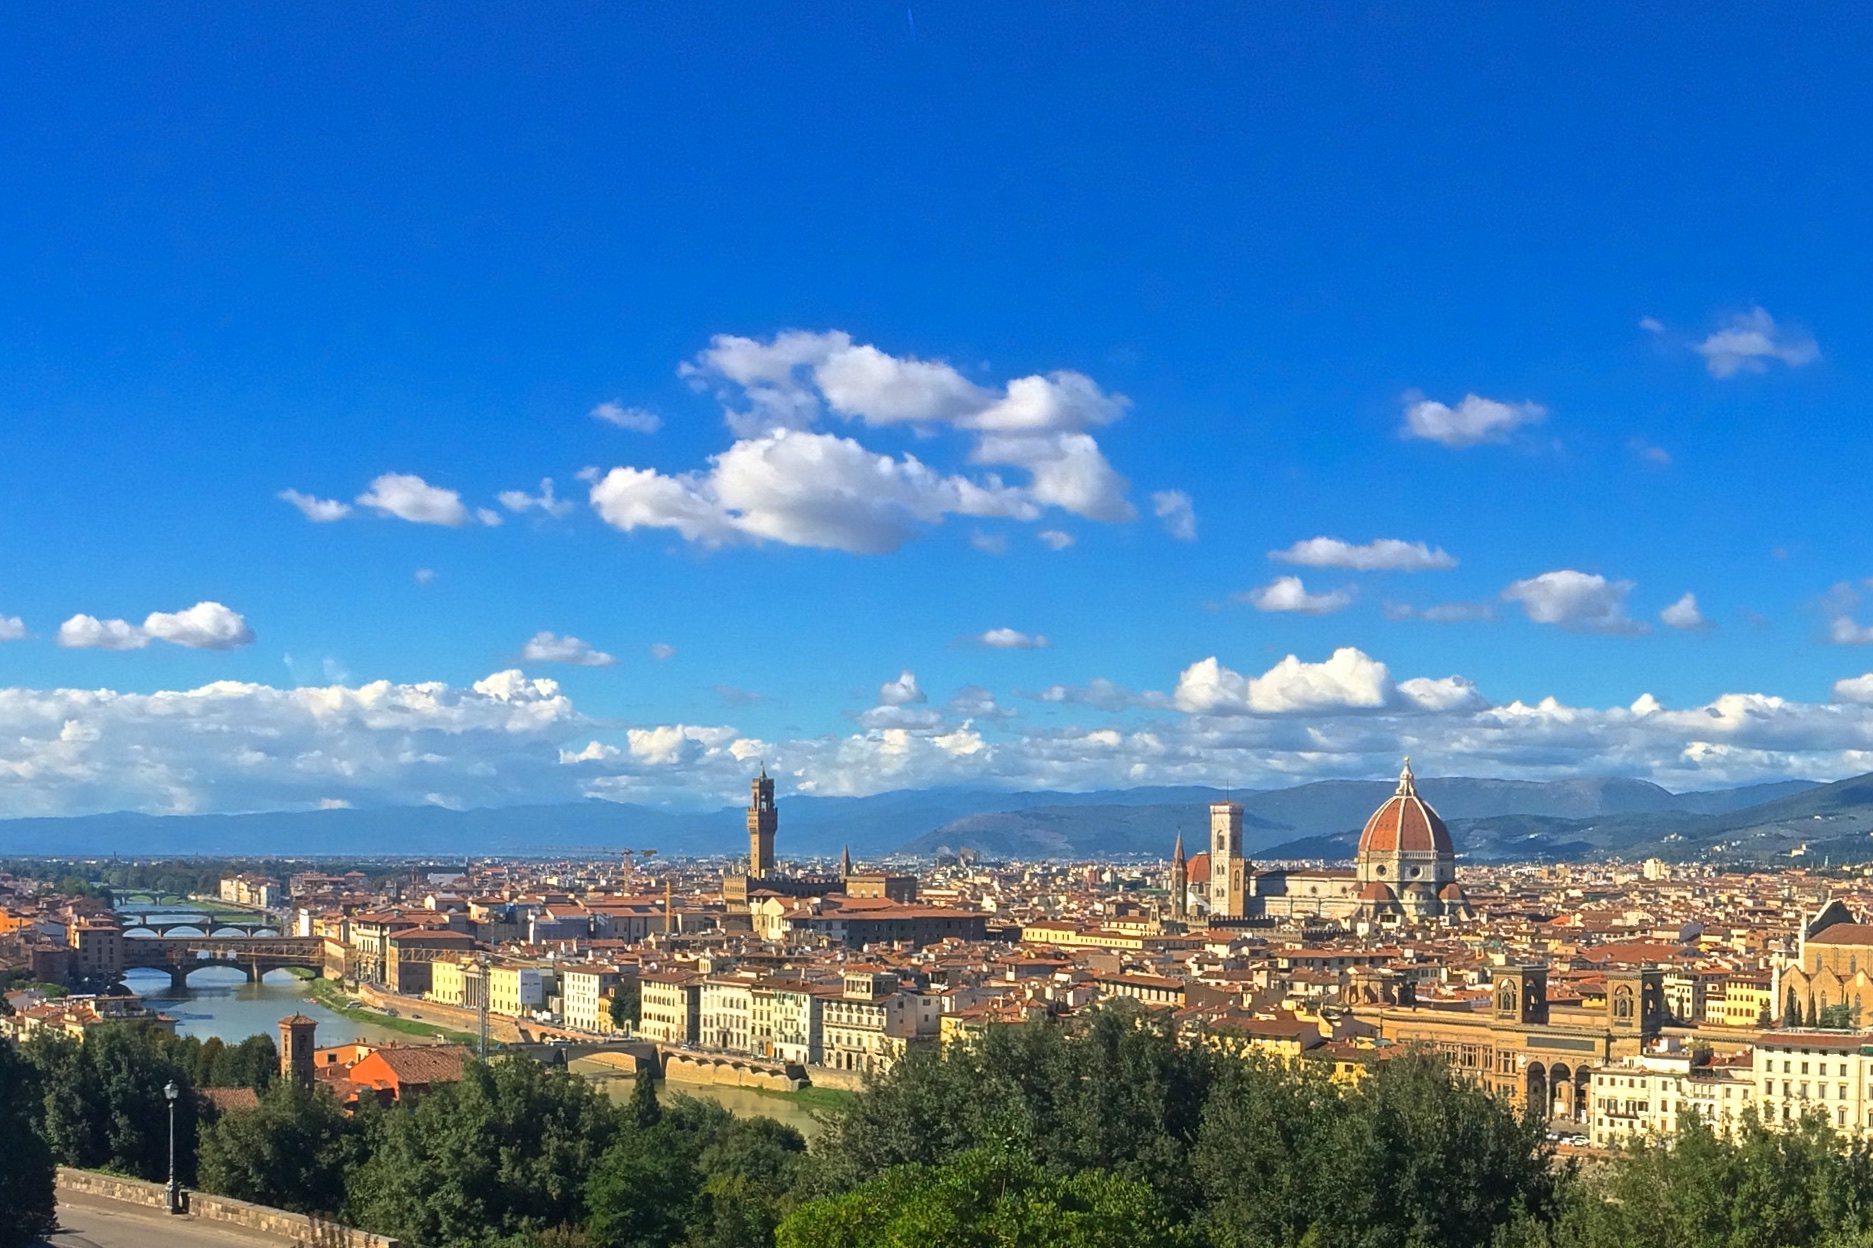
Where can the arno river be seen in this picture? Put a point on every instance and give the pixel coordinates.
(220, 1001)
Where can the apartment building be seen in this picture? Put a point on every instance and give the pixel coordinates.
(585, 995)
(669, 1006)
(1827, 1072)
(518, 990)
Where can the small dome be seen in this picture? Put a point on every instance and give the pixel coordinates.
(1377, 892)
(1405, 824)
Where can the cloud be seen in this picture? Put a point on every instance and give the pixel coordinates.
(783, 481)
(1386, 554)
(1857, 689)
(662, 650)
(1450, 693)
(1843, 631)
(1657, 456)
(1286, 593)
(12, 628)
(232, 746)
(317, 510)
(1576, 601)
(1751, 341)
(901, 692)
(1683, 614)
(546, 647)
(87, 632)
(1474, 420)
(989, 543)
(636, 419)
(1651, 325)
(521, 501)
(425, 576)
(1349, 680)
(802, 489)
(1440, 613)
(1175, 513)
(204, 626)
(1054, 539)
(409, 497)
(1011, 639)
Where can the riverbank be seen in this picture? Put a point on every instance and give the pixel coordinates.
(332, 995)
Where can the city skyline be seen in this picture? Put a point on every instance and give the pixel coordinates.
(394, 413)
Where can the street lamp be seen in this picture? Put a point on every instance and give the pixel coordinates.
(174, 1191)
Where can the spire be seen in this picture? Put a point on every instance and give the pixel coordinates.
(1177, 854)
(845, 862)
(1407, 786)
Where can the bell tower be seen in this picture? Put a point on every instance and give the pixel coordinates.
(1229, 871)
(763, 819)
(1180, 882)
(296, 1060)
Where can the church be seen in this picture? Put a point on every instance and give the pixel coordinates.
(1405, 871)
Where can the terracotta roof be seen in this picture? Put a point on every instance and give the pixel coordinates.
(1405, 824)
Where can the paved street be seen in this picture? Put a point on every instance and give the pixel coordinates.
(89, 1222)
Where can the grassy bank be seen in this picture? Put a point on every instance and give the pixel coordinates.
(332, 995)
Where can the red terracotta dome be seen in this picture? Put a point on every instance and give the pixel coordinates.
(1405, 824)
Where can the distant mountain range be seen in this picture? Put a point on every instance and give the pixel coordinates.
(1489, 820)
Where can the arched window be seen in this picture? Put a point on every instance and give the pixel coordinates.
(1622, 1002)
(1505, 999)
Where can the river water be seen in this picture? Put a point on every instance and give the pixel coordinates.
(219, 1000)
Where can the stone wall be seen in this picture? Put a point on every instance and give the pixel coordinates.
(730, 1072)
(501, 1028)
(302, 1229)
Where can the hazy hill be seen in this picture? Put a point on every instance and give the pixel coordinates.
(1489, 818)
(1323, 819)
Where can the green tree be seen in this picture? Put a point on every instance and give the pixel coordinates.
(984, 1199)
(292, 1152)
(697, 1176)
(644, 1109)
(1791, 1009)
(1115, 1090)
(627, 1005)
(104, 1102)
(505, 1152)
(26, 1169)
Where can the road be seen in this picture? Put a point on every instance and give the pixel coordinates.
(90, 1222)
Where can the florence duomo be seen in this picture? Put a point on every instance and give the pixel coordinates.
(1404, 872)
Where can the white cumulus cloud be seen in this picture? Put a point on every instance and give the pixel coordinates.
(317, 510)
(784, 482)
(1472, 421)
(1054, 539)
(12, 628)
(1012, 639)
(1386, 554)
(1857, 689)
(408, 497)
(1287, 593)
(1349, 680)
(1751, 341)
(1576, 601)
(1175, 512)
(521, 501)
(1683, 614)
(636, 419)
(903, 691)
(204, 626)
(546, 647)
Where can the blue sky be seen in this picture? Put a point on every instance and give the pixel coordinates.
(1079, 263)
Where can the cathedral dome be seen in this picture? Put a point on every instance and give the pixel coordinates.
(1405, 824)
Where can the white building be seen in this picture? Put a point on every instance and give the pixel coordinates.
(1825, 1071)
(585, 991)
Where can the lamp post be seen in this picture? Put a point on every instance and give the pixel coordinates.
(174, 1191)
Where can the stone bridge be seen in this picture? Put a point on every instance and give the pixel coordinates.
(256, 955)
(163, 924)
